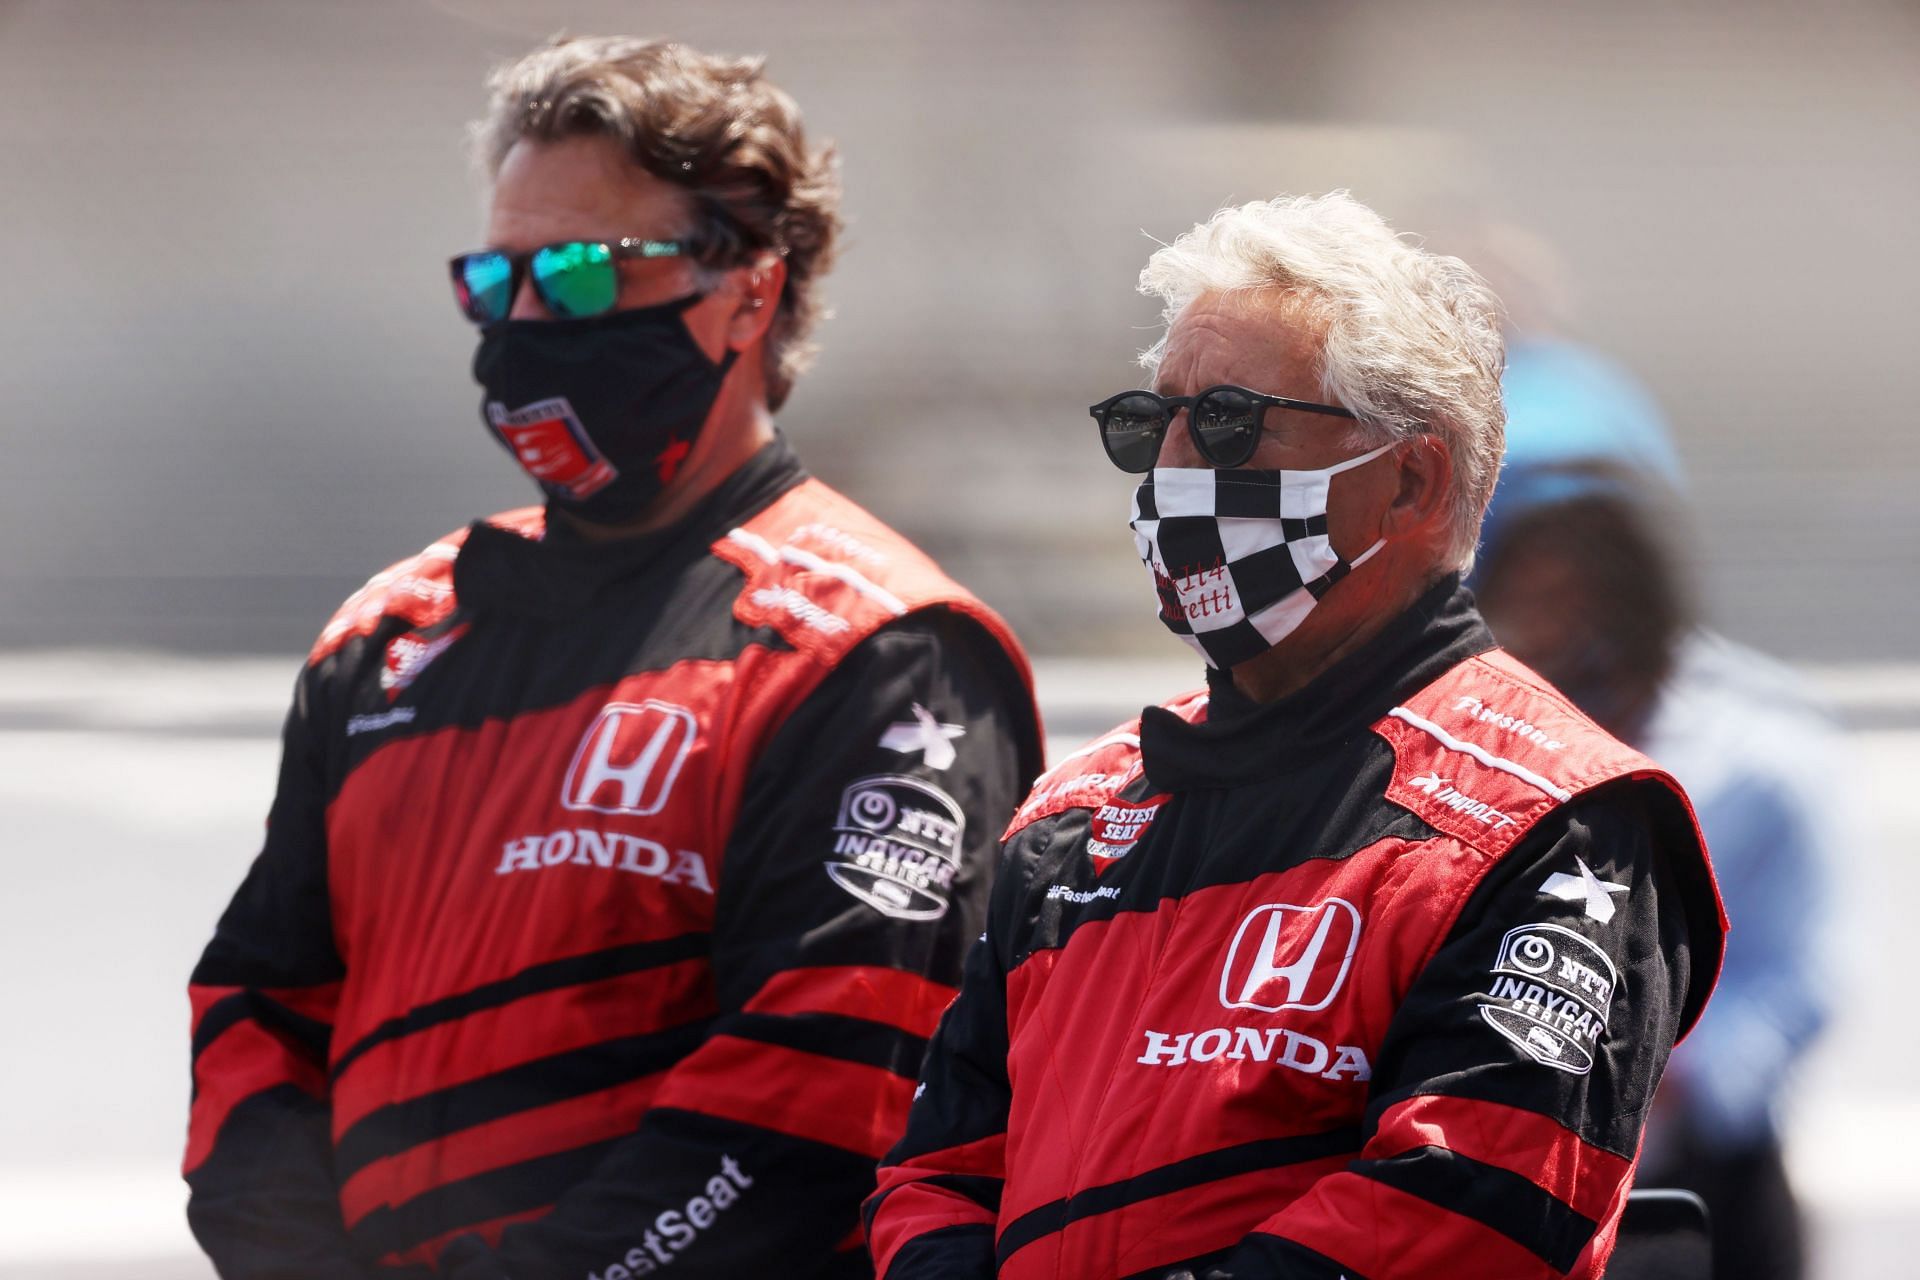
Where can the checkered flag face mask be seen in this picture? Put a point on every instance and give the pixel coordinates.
(1239, 557)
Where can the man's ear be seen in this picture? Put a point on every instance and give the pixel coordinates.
(761, 285)
(1420, 507)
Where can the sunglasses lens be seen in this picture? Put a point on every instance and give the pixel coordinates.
(1226, 425)
(483, 286)
(576, 278)
(1132, 431)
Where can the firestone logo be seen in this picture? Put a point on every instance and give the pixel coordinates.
(629, 758)
(1290, 957)
(1514, 725)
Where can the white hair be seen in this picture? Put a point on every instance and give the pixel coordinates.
(1413, 339)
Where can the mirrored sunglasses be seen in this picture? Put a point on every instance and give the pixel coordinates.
(573, 277)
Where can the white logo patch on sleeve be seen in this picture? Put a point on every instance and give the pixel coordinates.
(924, 734)
(1551, 992)
(897, 845)
(1594, 894)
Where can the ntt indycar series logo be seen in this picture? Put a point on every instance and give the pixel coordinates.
(897, 845)
(1551, 992)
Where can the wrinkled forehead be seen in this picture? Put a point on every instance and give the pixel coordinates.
(1267, 339)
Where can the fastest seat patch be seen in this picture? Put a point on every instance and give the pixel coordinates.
(1552, 990)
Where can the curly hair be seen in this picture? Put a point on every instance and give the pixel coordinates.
(712, 126)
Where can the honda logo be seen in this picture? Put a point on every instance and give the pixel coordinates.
(1289, 957)
(629, 758)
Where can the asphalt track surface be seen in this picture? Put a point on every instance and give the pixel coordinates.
(134, 788)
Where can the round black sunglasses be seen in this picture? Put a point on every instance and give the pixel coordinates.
(1223, 422)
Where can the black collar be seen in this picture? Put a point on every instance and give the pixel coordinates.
(1242, 740)
(500, 571)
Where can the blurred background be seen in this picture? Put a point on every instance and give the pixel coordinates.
(233, 384)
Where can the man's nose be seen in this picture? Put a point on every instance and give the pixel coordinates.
(1176, 447)
(527, 304)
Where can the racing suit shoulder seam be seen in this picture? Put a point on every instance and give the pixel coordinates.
(417, 589)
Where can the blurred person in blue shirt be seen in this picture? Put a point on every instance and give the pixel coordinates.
(1582, 575)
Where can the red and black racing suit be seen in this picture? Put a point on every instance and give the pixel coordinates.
(1372, 982)
(608, 898)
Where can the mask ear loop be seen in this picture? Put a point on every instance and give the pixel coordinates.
(1342, 566)
(1363, 459)
(1319, 587)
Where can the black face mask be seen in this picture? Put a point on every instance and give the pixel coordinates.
(601, 411)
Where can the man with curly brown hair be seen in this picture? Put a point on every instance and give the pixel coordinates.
(625, 848)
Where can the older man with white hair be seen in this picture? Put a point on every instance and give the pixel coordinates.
(1363, 961)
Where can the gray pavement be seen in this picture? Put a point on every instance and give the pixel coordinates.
(133, 789)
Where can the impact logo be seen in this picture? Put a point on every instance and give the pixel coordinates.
(1289, 957)
(1116, 828)
(408, 655)
(898, 844)
(629, 758)
(1551, 993)
(1443, 791)
(787, 600)
(547, 438)
(1085, 789)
